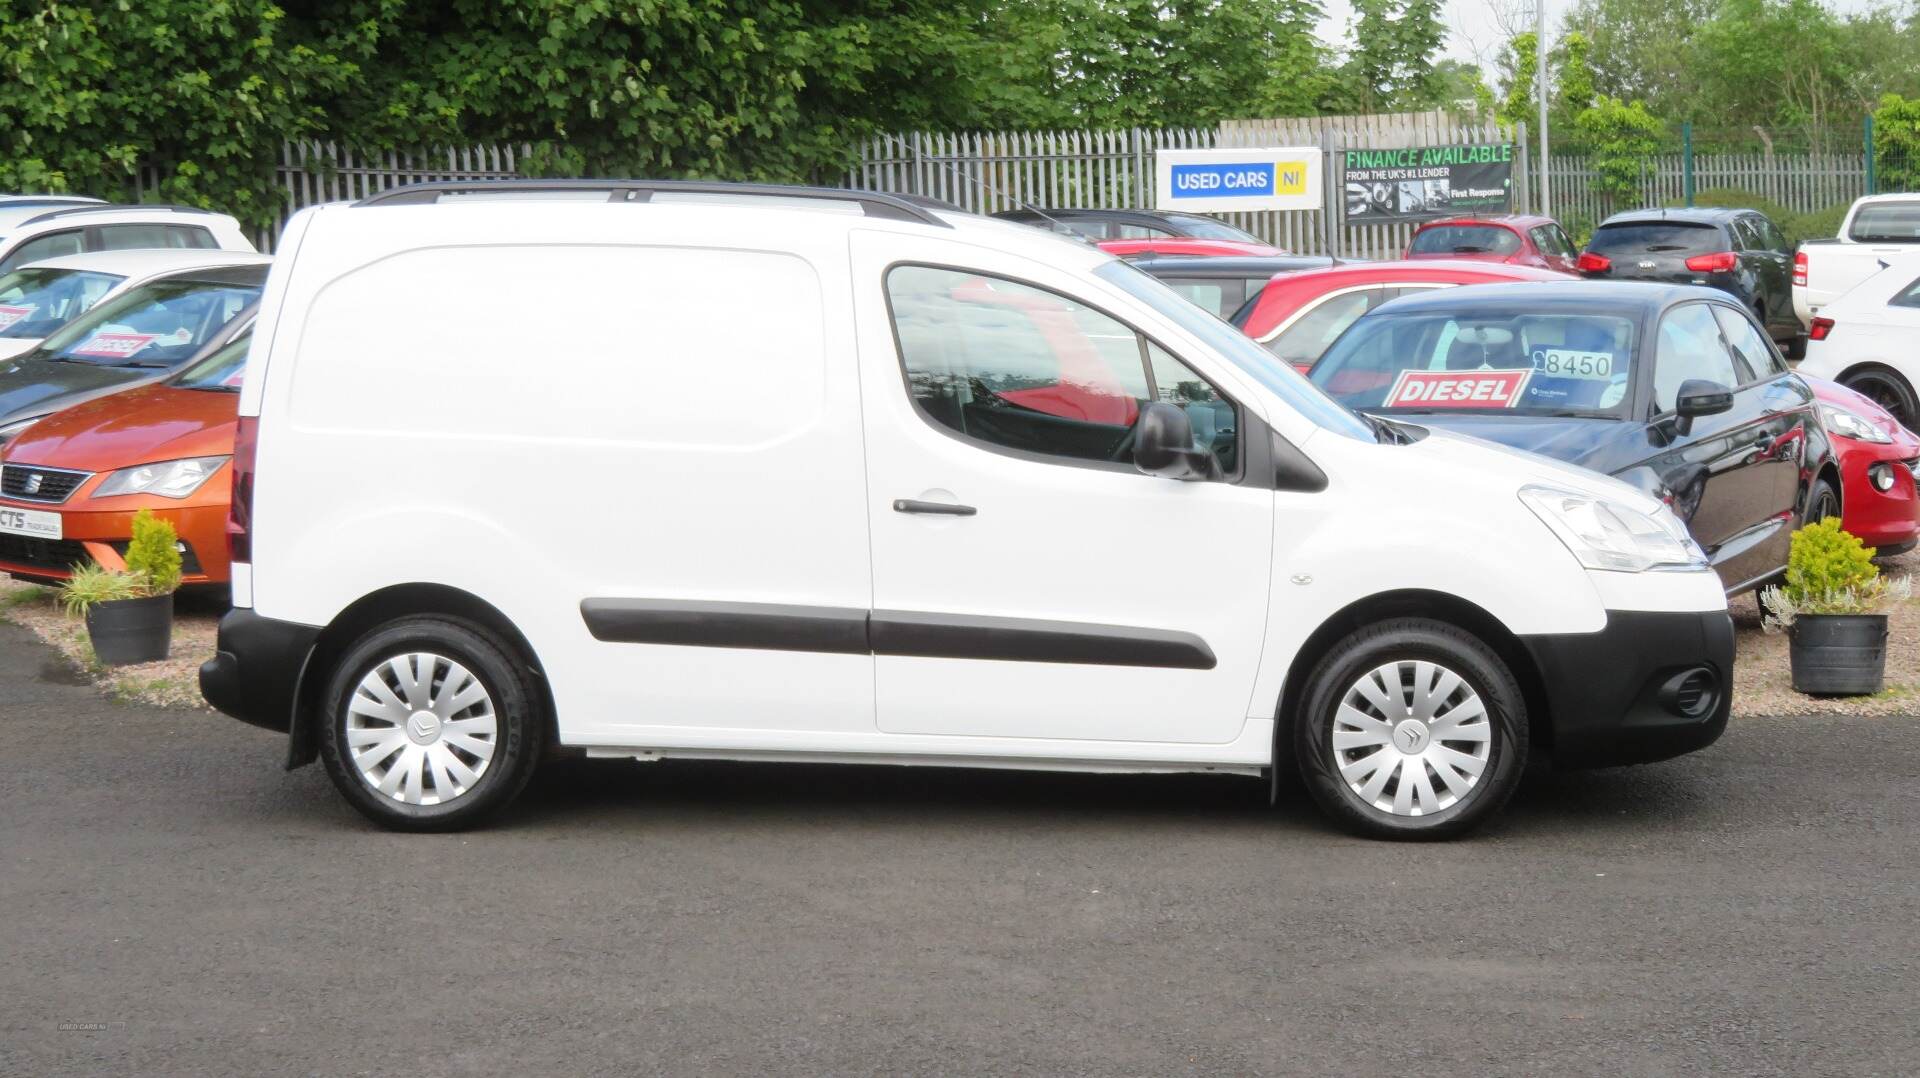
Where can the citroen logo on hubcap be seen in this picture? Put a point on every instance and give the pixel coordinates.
(423, 727)
(1410, 736)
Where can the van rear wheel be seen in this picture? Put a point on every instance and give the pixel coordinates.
(430, 725)
(1412, 729)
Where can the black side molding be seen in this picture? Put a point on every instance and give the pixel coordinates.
(840, 630)
(768, 626)
(963, 636)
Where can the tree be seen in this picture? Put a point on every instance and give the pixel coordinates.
(1620, 137)
(1390, 64)
(1896, 144)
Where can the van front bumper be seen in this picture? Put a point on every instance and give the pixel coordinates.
(1630, 693)
(255, 674)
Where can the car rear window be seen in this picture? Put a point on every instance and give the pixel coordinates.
(1886, 222)
(1658, 237)
(1465, 240)
(1482, 361)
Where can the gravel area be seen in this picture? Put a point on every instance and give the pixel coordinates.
(1762, 684)
(173, 682)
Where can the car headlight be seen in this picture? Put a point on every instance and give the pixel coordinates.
(167, 478)
(1849, 425)
(8, 432)
(1604, 534)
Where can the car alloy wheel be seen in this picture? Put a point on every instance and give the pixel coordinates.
(421, 729)
(1889, 391)
(1411, 738)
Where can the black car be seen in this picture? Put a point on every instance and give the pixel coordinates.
(1671, 388)
(1130, 224)
(1739, 252)
(137, 337)
(1223, 284)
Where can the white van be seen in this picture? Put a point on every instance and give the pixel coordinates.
(656, 469)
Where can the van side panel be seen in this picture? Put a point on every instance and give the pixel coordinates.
(637, 411)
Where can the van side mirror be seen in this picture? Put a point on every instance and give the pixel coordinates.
(1163, 444)
(1698, 397)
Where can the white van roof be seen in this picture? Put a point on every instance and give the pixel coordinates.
(515, 198)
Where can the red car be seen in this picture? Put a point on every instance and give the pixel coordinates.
(1181, 245)
(1514, 239)
(1297, 315)
(1878, 459)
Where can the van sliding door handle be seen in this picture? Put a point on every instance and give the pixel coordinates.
(911, 505)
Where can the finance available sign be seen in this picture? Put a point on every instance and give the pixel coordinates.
(1210, 181)
(1422, 183)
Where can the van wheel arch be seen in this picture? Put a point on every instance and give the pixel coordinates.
(1438, 606)
(378, 608)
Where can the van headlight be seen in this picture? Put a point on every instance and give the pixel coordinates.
(167, 478)
(1608, 535)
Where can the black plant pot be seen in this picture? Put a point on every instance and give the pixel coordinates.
(128, 631)
(1838, 654)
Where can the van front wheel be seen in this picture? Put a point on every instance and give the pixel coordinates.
(1411, 729)
(430, 725)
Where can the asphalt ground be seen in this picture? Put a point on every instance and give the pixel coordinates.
(172, 902)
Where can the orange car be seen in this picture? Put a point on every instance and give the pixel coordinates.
(71, 483)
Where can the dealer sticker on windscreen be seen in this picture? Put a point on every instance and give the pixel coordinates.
(114, 345)
(30, 522)
(1458, 389)
(9, 315)
(1567, 363)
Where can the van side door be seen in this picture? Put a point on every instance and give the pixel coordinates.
(1029, 582)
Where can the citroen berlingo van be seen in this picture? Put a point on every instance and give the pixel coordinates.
(655, 469)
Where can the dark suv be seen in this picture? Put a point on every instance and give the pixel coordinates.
(1737, 251)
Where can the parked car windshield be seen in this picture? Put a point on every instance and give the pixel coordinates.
(1465, 240)
(160, 324)
(220, 371)
(1886, 222)
(1482, 360)
(1656, 237)
(35, 302)
(1238, 349)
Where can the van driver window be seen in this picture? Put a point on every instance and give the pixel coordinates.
(1023, 368)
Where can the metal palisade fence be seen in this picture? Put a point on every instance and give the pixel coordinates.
(989, 171)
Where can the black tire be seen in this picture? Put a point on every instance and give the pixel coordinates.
(518, 739)
(1794, 347)
(1822, 501)
(1889, 390)
(1407, 640)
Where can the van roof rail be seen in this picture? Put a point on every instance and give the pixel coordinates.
(872, 203)
(96, 207)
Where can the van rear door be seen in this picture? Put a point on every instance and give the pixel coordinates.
(1029, 582)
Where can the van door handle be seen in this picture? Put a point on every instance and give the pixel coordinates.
(912, 505)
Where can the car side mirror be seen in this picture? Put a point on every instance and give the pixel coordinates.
(1163, 444)
(1699, 397)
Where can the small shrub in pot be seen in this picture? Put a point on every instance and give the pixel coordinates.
(1832, 609)
(129, 613)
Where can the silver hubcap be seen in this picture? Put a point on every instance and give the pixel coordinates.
(1411, 738)
(421, 729)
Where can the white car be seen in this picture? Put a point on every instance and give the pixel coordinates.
(1877, 229)
(1869, 339)
(769, 473)
(39, 298)
(38, 227)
